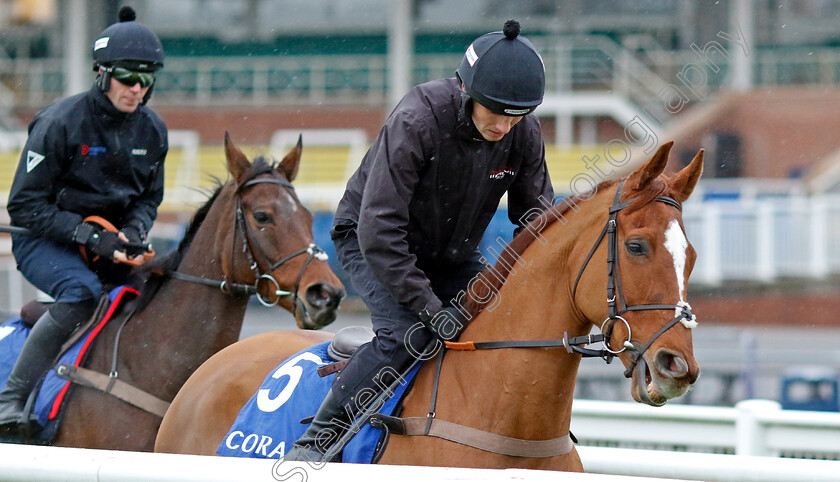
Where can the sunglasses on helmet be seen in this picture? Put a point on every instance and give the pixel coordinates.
(131, 77)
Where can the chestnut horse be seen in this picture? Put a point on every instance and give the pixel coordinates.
(252, 237)
(557, 291)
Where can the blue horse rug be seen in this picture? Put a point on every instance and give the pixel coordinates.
(270, 422)
(53, 390)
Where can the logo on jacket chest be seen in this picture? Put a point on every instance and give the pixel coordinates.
(93, 150)
(501, 173)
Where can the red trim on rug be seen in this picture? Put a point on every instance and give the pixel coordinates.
(111, 309)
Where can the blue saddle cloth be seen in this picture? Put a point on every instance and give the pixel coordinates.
(269, 423)
(13, 334)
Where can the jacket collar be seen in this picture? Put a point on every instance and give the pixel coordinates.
(465, 126)
(103, 103)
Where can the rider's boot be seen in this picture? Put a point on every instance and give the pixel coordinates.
(38, 352)
(331, 421)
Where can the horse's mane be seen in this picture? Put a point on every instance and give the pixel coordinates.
(492, 282)
(155, 270)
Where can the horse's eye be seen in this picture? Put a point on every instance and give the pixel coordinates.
(263, 218)
(636, 247)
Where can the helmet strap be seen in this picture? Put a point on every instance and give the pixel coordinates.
(465, 113)
(103, 78)
(148, 95)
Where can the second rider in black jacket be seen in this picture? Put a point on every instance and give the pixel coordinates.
(413, 214)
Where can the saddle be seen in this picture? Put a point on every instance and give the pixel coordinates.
(346, 342)
(32, 311)
(46, 400)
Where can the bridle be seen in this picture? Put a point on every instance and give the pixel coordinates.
(615, 300)
(615, 295)
(241, 226)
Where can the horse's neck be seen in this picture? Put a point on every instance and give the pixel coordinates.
(531, 387)
(185, 322)
(535, 301)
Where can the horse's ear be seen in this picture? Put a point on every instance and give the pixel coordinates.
(237, 163)
(683, 182)
(652, 169)
(290, 164)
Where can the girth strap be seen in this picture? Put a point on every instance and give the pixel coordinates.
(115, 387)
(479, 439)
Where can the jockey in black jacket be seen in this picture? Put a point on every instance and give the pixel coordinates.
(409, 224)
(99, 153)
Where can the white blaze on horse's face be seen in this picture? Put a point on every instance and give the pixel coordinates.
(291, 201)
(677, 245)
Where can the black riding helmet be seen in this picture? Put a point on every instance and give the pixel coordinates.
(503, 72)
(127, 44)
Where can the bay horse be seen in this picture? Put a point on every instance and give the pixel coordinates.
(253, 236)
(549, 294)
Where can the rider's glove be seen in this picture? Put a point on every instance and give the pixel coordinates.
(447, 324)
(133, 234)
(97, 241)
(134, 247)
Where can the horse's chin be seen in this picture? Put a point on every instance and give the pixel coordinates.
(650, 389)
(306, 321)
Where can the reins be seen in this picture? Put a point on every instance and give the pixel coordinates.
(615, 300)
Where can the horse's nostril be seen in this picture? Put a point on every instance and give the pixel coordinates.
(322, 295)
(336, 295)
(671, 364)
(316, 295)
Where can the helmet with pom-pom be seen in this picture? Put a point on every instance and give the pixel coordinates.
(503, 72)
(129, 44)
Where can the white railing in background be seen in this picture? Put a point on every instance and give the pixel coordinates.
(12, 140)
(323, 195)
(694, 466)
(187, 176)
(764, 239)
(753, 427)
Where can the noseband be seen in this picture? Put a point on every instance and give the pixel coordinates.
(241, 226)
(682, 310)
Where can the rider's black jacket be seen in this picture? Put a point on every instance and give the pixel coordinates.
(429, 185)
(84, 157)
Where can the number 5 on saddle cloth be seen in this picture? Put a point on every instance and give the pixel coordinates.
(271, 421)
